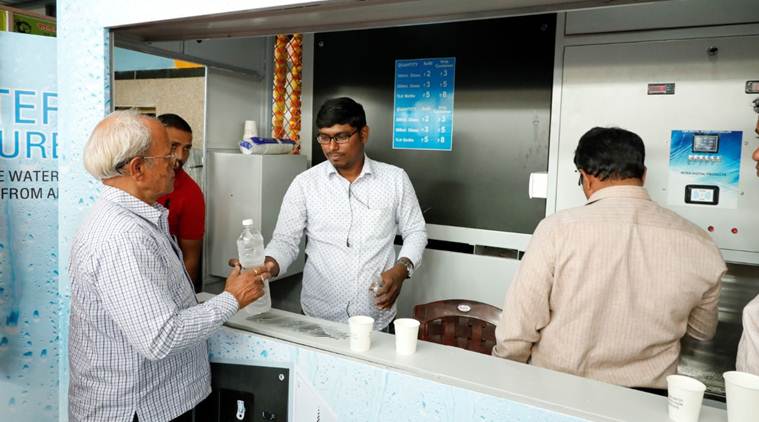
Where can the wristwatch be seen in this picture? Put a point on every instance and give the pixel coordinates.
(408, 264)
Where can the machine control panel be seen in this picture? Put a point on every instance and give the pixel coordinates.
(704, 168)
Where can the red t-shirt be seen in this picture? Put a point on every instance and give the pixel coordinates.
(187, 210)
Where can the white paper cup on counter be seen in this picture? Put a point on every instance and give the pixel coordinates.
(742, 391)
(406, 332)
(250, 130)
(361, 332)
(685, 395)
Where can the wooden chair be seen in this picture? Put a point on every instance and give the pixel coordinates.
(460, 323)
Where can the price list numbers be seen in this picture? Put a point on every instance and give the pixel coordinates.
(423, 104)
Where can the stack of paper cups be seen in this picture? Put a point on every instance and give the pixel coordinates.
(250, 130)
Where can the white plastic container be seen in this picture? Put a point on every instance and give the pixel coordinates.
(250, 252)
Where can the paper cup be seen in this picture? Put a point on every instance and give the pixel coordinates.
(685, 395)
(361, 332)
(250, 130)
(742, 396)
(406, 331)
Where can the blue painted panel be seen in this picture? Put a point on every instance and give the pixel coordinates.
(28, 228)
(126, 60)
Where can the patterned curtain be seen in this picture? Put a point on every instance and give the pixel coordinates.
(286, 105)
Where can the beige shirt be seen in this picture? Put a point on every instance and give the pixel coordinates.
(748, 349)
(607, 290)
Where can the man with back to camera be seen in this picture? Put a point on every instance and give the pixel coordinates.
(187, 208)
(137, 335)
(607, 290)
(747, 359)
(350, 208)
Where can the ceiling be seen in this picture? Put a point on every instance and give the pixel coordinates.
(346, 15)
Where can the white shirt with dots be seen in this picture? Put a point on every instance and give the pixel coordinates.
(350, 230)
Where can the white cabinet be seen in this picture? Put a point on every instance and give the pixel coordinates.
(245, 186)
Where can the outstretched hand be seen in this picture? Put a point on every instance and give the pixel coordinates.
(246, 286)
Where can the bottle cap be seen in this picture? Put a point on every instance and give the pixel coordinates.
(247, 222)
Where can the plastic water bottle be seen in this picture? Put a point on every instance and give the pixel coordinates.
(250, 252)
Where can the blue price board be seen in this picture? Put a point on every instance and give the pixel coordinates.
(423, 106)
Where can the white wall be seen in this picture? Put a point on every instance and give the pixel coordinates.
(230, 100)
(451, 275)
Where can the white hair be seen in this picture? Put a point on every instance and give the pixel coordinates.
(121, 136)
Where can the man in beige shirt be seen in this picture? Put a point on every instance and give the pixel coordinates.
(607, 290)
(748, 349)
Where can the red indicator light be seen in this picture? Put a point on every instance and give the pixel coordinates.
(710, 228)
(734, 230)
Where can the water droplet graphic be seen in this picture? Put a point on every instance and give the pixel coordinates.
(12, 319)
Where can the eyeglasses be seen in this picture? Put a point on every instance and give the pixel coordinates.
(173, 157)
(579, 182)
(340, 138)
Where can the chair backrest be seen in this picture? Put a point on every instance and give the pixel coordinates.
(461, 323)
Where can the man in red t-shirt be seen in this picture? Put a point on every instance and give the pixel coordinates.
(187, 209)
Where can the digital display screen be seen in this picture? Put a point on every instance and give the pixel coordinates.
(702, 195)
(706, 143)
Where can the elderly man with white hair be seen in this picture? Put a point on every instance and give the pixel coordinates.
(137, 338)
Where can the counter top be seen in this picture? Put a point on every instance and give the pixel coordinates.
(563, 393)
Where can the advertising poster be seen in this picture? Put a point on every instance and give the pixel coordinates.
(33, 25)
(423, 104)
(28, 228)
(704, 168)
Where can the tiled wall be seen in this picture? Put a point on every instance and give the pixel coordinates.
(358, 391)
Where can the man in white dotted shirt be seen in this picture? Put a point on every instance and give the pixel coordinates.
(137, 338)
(748, 348)
(350, 208)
